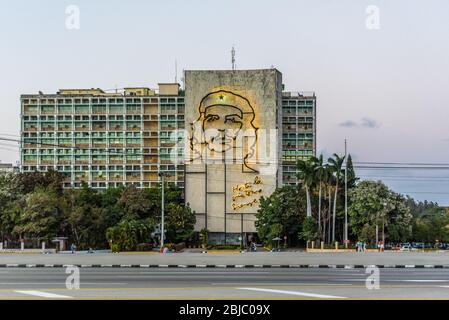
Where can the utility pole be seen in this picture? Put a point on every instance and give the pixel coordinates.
(346, 196)
(162, 175)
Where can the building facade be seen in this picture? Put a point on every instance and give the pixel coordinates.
(234, 158)
(105, 139)
(130, 136)
(298, 131)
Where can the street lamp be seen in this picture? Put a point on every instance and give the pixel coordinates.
(162, 175)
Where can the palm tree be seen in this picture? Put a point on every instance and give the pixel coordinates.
(306, 174)
(329, 182)
(320, 175)
(336, 164)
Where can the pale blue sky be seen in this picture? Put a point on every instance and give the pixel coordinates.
(385, 90)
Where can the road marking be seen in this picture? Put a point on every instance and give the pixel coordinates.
(295, 293)
(43, 294)
(419, 280)
(57, 283)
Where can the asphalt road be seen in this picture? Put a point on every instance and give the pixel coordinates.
(268, 258)
(259, 284)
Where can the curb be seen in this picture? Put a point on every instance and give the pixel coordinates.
(230, 266)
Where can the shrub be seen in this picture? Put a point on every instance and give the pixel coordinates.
(223, 247)
(144, 247)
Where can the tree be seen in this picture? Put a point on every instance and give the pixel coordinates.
(306, 174)
(320, 174)
(40, 217)
(335, 164)
(309, 229)
(372, 203)
(135, 203)
(128, 233)
(51, 179)
(180, 222)
(280, 214)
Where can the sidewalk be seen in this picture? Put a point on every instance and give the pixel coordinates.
(256, 258)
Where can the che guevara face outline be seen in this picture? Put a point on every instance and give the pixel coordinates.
(223, 120)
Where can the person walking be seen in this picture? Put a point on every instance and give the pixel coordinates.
(364, 246)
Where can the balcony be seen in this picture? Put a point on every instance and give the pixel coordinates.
(133, 128)
(82, 128)
(133, 161)
(133, 178)
(81, 161)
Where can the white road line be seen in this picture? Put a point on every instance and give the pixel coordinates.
(58, 283)
(295, 293)
(43, 294)
(419, 280)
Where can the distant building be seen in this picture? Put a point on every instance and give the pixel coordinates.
(8, 168)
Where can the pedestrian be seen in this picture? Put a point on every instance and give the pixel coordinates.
(73, 247)
(364, 246)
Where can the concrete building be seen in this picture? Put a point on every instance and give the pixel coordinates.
(104, 139)
(8, 168)
(298, 131)
(129, 136)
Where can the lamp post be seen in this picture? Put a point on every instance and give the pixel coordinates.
(383, 224)
(346, 197)
(162, 175)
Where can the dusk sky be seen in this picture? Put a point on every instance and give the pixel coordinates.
(384, 89)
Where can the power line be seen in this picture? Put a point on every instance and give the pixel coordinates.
(403, 163)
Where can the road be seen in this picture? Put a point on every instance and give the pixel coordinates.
(262, 258)
(259, 284)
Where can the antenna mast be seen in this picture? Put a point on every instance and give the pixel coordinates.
(233, 58)
(176, 71)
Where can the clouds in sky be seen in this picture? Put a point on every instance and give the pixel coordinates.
(364, 123)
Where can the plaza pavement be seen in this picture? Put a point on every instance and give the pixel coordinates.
(387, 259)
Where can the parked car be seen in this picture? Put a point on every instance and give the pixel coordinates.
(405, 247)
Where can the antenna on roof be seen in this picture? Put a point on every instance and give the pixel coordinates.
(176, 71)
(233, 58)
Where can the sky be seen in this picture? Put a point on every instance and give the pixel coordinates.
(381, 77)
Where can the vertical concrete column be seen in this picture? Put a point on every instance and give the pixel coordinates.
(313, 244)
(307, 244)
(322, 245)
(336, 245)
(43, 246)
(22, 245)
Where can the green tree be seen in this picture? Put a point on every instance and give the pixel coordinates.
(135, 203)
(40, 217)
(129, 232)
(309, 229)
(335, 164)
(372, 203)
(280, 214)
(180, 222)
(306, 174)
